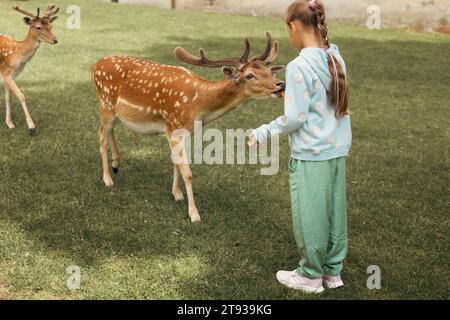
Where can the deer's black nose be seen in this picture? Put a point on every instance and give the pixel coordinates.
(281, 85)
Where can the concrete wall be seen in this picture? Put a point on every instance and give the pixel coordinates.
(156, 3)
(428, 14)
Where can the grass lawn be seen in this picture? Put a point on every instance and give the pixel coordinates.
(134, 241)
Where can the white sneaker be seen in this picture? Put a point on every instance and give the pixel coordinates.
(292, 280)
(333, 282)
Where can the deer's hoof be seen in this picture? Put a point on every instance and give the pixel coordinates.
(178, 196)
(10, 125)
(32, 132)
(195, 217)
(108, 181)
(115, 170)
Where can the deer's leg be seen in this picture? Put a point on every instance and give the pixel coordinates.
(114, 151)
(185, 171)
(176, 190)
(8, 120)
(105, 131)
(14, 88)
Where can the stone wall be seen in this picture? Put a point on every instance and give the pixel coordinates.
(426, 14)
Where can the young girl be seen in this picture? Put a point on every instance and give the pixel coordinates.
(318, 123)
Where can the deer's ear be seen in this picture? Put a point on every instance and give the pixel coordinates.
(230, 72)
(277, 69)
(53, 19)
(28, 21)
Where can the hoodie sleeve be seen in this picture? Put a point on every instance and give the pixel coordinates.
(296, 105)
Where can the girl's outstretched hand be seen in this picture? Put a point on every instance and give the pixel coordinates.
(253, 143)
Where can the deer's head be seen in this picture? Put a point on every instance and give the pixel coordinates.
(255, 76)
(41, 27)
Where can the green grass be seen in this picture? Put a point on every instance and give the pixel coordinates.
(135, 242)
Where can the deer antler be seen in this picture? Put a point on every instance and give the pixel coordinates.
(27, 13)
(266, 53)
(271, 53)
(203, 61)
(51, 11)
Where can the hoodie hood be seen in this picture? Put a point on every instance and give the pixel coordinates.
(317, 58)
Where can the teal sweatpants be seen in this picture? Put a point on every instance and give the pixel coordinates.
(319, 213)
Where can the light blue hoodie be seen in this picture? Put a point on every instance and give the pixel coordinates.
(315, 134)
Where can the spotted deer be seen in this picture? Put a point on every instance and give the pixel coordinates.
(152, 98)
(14, 55)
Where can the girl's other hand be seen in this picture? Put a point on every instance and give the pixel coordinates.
(253, 143)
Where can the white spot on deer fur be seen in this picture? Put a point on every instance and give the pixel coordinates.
(185, 99)
(187, 81)
(129, 104)
(196, 96)
(177, 104)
